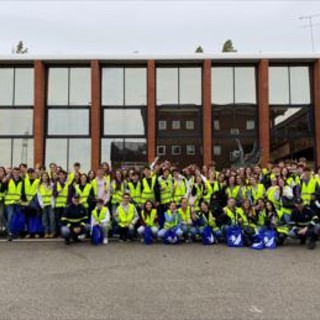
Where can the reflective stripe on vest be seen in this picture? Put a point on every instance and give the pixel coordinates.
(13, 194)
(46, 194)
(232, 192)
(30, 189)
(62, 198)
(257, 193)
(135, 192)
(166, 186)
(148, 192)
(149, 219)
(234, 216)
(84, 194)
(126, 217)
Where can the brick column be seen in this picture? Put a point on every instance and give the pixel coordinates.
(316, 99)
(151, 112)
(39, 112)
(95, 114)
(207, 112)
(263, 105)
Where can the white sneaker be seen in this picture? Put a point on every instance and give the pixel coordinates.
(105, 241)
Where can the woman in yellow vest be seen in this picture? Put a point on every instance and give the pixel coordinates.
(134, 189)
(197, 193)
(172, 222)
(45, 200)
(185, 214)
(248, 222)
(148, 218)
(276, 221)
(101, 217)
(261, 214)
(272, 192)
(257, 190)
(85, 191)
(233, 189)
(118, 188)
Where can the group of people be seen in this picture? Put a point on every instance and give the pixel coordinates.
(161, 202)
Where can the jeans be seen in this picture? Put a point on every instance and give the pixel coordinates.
(154, 231)
(58, 212)
(10, 209)
(3, 222)
(66, 232)
(48, 220)
(178, 231)
(126, 232)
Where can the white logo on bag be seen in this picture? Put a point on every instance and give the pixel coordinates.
(210, 239)
(236, 240)
(268, 242)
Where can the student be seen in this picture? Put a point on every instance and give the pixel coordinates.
(101, 186)
(275, 221)
(85, 191)
(172, 222)
(166, 189)
(134, 189)
(118, 188)
(74, 221)
(149, 218)
(3, 224)
(46, 202)
(150, 187)
(75, 175)
(32, 208)
(12, 187)
(186, 220)
(101, 217)
(60, 193)
(126, 217)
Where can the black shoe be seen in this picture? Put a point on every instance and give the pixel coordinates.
(303, 241)
(311, 245)
(67, 241)
(10, 237)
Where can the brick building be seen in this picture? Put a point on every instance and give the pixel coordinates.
(186, 108)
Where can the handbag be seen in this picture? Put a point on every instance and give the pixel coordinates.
(147, 236)
(17, 221)
(96, 235)
(234, 237)
(269, 237)
(207, 236)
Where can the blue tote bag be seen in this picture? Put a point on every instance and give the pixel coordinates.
(147, 235)
(207, 236)
(269, 238)
(234, 237)
(96, 235)
(18, 221)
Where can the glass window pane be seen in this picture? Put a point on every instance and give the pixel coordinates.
(58, 87)
(24, 87)
(6, 86)
(190, 86)
(300, 85)
(110, 150)
(80, 151)
(112, 87)
(16, 122)
(80, 87)
(124, 122)
(222, 85)
(135, 151)
(22, 152)
(5, 151)
(167, 86)
(68, 122)
(245, 85)
(278, 85)
(136, 86)
(233, 120)
(56, 151)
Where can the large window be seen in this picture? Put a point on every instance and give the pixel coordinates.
(179, 114)
(68, 116)
(124, 100)
(16, 115)
(291, 112)
(234, 112)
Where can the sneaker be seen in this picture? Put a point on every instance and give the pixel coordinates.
(67, 241)
(303, 241)
(28, 236)
(81, 237)
(52, 235)
(312, 245)
(47, 235)
(10, 237)
(105, 241)
(37, 236)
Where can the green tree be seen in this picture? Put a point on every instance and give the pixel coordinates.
(20, 48)
(199, 50)
(228, 46)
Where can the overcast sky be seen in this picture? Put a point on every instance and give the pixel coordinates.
(150, 27)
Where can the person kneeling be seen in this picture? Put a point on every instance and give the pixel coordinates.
(126, 218)
(73, 221)
(100, 218)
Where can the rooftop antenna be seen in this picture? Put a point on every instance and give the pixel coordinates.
(310, 25)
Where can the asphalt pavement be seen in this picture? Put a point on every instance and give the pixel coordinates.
(48, 280)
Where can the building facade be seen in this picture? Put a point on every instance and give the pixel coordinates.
(188, 109)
